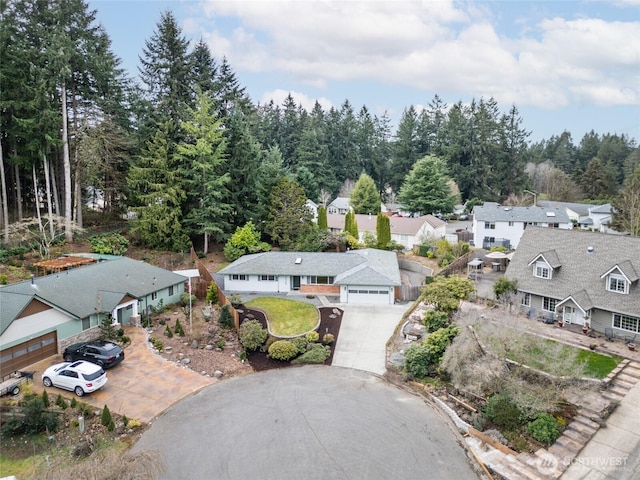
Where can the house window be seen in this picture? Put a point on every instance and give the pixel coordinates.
(86, 323)
(549, 304)
(554, 225)
(404, 238)
(154, 296)
(236, 276)
(511, 224)
(489, 226)
(320, 280)
(171, 290)
(267, 278)
(542, 270)
(618, 284)
(626, 322)
(526, 300)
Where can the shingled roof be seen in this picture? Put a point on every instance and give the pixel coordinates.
(582, 260)
(494, 212)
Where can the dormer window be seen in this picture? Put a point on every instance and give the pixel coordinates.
(617, 283)
(542, 270)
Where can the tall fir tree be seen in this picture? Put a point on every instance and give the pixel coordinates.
(364, 196)
(383, 231)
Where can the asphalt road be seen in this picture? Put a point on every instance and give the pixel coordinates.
(311, 422)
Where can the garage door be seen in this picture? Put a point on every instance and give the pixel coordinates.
(20, 356)
(376, 295)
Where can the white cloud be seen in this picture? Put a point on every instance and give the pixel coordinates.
(438, 46)
(279, 96)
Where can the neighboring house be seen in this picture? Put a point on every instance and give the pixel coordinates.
(357, 276)
(585, 278)
(340, 206)
(601, 216)
(586, 216)
(313, 208)
(577, 212)
(497, 225)
(41, 316)
(406, 231)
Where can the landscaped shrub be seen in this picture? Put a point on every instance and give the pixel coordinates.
(109, 244)
(317, 354)
(417, 359)
(157, 343)
(434, 320)
(167, 332)
(105, 418)
(212, 293)
(35, 420)
(544, 428)
(178, 330)
(328, 338)
(252, 334)
(61, 402)
(185, 297)
(501, 411)
(312, 337)
(283, 350)
(45, 399)
(300, 343)
(225, 318)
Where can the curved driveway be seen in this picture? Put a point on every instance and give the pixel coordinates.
(306, 422)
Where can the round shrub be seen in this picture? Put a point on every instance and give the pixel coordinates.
(283, 350)
(312, 337)
(300, 343)
(544, 428)
(317, 354)
(252, 334)
(434, 320)
(328, 338)
(501, 411)
(417, 359)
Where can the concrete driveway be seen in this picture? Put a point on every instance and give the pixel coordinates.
(311, 422)
(363, 337)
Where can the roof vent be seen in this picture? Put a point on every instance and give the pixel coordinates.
(590, 249)
(298, 261)
(551, 214)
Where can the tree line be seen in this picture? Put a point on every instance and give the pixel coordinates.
(184, 152)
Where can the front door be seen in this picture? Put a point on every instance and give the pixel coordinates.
(295, 282)
(568, 315)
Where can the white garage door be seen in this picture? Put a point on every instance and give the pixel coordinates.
(366, 294)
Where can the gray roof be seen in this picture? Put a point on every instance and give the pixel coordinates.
(606, 208)
(356, 267)
(584, 257)
(82, 291)
(494, 212)
(341, 202)
(581, 209)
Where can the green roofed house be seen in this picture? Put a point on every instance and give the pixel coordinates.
(41, 316)
(358, 276)
(584, 278)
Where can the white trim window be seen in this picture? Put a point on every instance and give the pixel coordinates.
(239, 276)
(526, 300)
(542, 270)
(549, 304)
(267, 278)
(489, 225)
(320, 280)
(618, 284)
(625, 322)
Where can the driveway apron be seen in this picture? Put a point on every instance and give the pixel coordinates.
(363, 337)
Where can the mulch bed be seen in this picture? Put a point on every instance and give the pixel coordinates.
(330, 321)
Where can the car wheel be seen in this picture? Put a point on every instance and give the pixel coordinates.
(15, 390)
(68, 358)
(79, 391)
(47, 382)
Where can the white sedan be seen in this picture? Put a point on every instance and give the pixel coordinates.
(80, 377)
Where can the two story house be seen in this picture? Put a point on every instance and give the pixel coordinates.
(497, 225)
(584, 278)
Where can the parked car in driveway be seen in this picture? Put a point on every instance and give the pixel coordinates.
(101, 352)
(79, 377)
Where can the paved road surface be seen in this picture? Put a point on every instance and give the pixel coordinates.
(312, 422)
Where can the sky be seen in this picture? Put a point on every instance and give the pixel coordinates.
(566, 65)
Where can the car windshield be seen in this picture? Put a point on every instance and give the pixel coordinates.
(111, 348)
(94, 375)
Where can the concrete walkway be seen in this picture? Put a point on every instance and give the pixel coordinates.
(364, 333)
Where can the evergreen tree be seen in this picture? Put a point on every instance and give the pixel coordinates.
(322, 218)
(364, 196)
(626, 206)
(383, 231)
(405, 148)
(509, 166)
(203, 154)
(351, 224)
(289, 218)
(270, 172)
(313, 156)
(229, 94)
(597, 181)
(426, 188)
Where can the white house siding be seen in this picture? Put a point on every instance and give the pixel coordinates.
(367, 294)
(252, 284)
(503, 230)
(34, 326)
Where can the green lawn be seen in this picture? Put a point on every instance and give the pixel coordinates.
(287, 317)
(596, 364)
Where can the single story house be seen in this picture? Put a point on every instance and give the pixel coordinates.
(41, 316)
(585, 278)
(496, 225)
(357, 276)
(407, 231)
